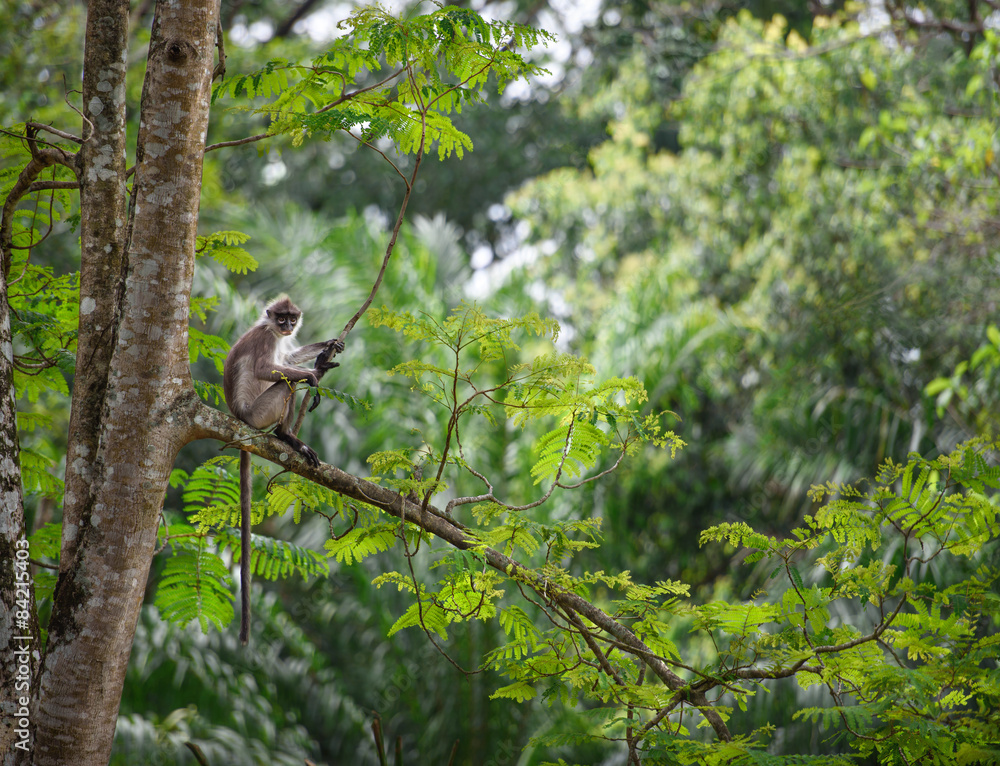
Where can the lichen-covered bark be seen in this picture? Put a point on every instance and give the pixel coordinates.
(139, 434)
(102, 234)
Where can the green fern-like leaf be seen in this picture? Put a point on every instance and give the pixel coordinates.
(359, 543)
(212, 492)
(738, 534)
(202, 306)
(977, 755)
(273, 559)
(36, 474)
(859, 719)
(443, 60)
(521, 533)
(46, 541)
(519, 691)
(568, 451)
(387, 462)
(224, 248)
(271, 79)
(209, 392)
(429, 616)
(300, 495)
(210, 347)
(519, 627)
(195, 586)
(39, 383)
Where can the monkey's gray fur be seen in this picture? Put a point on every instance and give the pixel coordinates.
(259, 380)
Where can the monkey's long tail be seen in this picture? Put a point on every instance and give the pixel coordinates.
(246, 490)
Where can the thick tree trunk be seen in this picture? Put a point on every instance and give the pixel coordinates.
(102, 235)
(137, 433)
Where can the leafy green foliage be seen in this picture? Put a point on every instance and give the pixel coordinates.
(442, 60)
(927, 641)
(211, 347)
(224, 248)
(45, 544)
(361, 542)
(568, 450)
(472, 372)
(457, 600)
(923, 642)
(37, 474)
(277, 559)
(196, 581)
(44, 304)
(968, 390)
(212, 490)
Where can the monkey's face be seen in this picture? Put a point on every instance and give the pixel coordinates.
(285, 323)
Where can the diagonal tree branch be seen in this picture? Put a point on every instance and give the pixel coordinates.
(208, 423)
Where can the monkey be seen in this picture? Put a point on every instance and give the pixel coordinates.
(258, 381)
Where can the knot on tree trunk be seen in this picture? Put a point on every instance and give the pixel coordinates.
(178, 51)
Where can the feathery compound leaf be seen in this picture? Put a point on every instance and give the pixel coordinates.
(273, 558)
(272, 78)
(739, 534)
(568, 451)
(224, 248)
(46, 542)
(426, 615)
(211, 347)
(195, 585)
(442, 60)
(519, 691)
(361, 542)
(36, 474)
(519, 627)
(212, 494)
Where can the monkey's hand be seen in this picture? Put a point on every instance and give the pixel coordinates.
(323, 365)
(324, 360)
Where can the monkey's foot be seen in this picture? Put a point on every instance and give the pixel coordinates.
(310, 455)
(298, 445)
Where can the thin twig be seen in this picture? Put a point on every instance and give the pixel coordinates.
(385, 260)
(54, 131)
(220, 68)
(238, 142)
